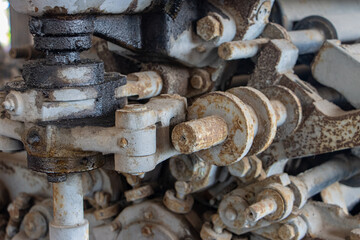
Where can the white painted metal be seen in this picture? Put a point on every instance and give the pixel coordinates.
(40, 7)
(69, 222)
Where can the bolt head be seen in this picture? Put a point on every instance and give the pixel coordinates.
(146, 231)
(208, 28)
(123, 142)
(197, 82)
(35, 225)
(287, 232)
(230, 214)
(33, 138)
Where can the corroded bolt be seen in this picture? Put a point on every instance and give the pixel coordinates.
(35, 225)
(208, 28)
(123, 142)
(287, 232)
(199, 134)
(197, 82)
(261, 209)
(182, 189)
(146, 231)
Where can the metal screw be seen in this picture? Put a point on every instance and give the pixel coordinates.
(208, 28)
(287, 232)
(197, 82)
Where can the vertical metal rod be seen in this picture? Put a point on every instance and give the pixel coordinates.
(69, 222)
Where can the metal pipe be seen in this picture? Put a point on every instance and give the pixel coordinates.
(318, 178)
(69, 222)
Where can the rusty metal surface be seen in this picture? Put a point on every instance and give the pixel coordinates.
(164, 147)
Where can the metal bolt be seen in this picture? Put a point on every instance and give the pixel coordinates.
(208, 28)
(230, 214)
(33, 138)
(35, 225)
(182, 189)
(197, 82)
(146, 231)
(123, 142)
(261, 209)
(148, 215)
(199, 134)
(218, 225)
(287, 232)
(9, 105)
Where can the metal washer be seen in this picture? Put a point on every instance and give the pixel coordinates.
(265, 114)
(293, 109)
(239, 122)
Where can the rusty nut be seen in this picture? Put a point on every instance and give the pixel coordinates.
(176, 205)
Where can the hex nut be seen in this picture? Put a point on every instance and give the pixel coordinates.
(208, 28)
(176, 205)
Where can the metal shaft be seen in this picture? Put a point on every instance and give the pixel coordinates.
(318, 178)
(69, 222)
(307, 41)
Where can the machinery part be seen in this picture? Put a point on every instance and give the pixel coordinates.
(141, 86)
(201, 134)
(39, 8)
(180, 201)
(37, 220)
(294, 11)
(87, 129)
(151, 219)
(312, 181)
(69, 222)
(251, 123)
(323, 68)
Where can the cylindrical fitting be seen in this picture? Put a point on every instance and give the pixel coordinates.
(199, 134)
(280, 111)
(318, 178)
(69, 222)
(307, 41)
(241, 49)
(261, 209)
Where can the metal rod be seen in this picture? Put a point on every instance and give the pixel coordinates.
(318, 178)
(69, 222)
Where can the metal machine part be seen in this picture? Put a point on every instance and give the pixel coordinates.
(164, 146)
